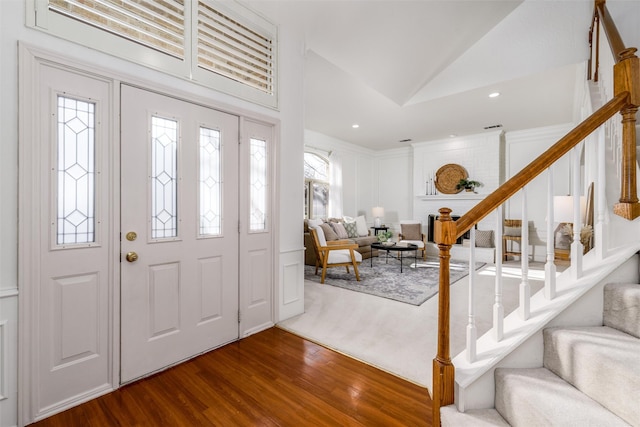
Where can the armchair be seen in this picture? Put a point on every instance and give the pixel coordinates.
(336, 253)
(411, 232)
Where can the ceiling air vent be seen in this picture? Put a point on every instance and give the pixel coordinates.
(492, 127)
(405, 140)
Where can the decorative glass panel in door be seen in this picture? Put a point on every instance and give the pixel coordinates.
(76, 171)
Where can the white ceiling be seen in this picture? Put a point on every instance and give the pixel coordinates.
(423, 69)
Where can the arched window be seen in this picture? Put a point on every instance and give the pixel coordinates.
(316, 186)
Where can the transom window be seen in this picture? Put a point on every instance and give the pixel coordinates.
(215, 43)
(316, 186)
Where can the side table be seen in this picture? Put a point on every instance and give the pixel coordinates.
(377, 229)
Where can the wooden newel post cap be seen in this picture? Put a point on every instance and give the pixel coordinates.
(445, 228)
(626, 75)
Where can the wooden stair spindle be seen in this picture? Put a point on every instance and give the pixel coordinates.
(443, 369)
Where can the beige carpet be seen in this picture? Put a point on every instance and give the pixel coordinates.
(396, 337)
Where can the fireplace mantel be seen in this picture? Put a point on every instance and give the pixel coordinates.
(459, 196)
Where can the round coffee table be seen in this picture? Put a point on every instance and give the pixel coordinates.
(400, 248)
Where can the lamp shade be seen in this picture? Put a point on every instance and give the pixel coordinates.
(378, 212)
(563, 208)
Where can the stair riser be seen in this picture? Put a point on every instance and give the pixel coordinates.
(622, 307)
(601, 362)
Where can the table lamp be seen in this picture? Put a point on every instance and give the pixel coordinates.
(378, 213)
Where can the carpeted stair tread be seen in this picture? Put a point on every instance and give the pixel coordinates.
(622, 307)
(538, 397)
(450, 417)
(601, 362)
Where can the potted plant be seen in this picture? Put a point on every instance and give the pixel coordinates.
(468, 185)
(383, 236)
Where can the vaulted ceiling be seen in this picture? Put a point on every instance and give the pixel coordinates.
(422, 70)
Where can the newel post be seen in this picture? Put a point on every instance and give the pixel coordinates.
(626, 78)
(443, 369)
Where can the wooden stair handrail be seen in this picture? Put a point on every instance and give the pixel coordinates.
(544, 161)
(626, 100)
(610, 29)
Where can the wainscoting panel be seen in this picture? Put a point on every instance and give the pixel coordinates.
(8, 357)
(290, 299)
(290, 273)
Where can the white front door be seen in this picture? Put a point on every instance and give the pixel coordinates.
(179, 223)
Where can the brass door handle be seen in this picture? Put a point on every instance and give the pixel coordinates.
(131, 256)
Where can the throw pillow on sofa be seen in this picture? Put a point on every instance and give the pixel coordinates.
(484, 238)
(361, 223)
(338, 227)
(329, 234)
(352, 229)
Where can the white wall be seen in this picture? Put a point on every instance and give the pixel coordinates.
(358, 182)
(395, 192)
(289, 292)
(370, 178)
(481, 155)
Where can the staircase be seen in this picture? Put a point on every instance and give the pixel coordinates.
(590, 375)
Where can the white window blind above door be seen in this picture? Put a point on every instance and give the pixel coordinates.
(234, 50)
(218, 44)
(157, 24)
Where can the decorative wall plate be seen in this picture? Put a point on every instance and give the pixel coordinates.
(448, 176)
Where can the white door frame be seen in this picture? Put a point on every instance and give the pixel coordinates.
(30, 59)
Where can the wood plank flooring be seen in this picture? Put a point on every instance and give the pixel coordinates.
(272, 378)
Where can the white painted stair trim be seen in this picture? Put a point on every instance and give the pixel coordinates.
(517, 331)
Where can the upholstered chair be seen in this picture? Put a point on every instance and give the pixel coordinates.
(336, 253)
(512, 232)
(411, 232)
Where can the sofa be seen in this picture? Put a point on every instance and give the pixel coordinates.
(363, 242)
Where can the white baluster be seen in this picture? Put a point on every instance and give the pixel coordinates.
(576, 245)
(525, 289)
(498, 308)
(550, 266)
(472, 333)
(599, 232)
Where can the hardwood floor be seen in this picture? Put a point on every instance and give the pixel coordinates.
(272, 378)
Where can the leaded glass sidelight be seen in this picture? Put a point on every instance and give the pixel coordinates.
(164, 178)
(258, 184)
(76, 172)
(210, 182)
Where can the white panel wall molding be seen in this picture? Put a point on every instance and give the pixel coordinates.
(8, 293)
(8, 357)
(4, 356)
(290, 298)
(315, 140)
(402, 152)
(481, 155)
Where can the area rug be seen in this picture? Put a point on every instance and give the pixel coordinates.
(413, 286)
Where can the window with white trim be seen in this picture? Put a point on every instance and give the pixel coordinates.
(221, 44)
(316, 186)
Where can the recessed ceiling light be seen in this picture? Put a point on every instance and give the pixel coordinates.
(453, 135)
(494, 95)
(355, 126)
